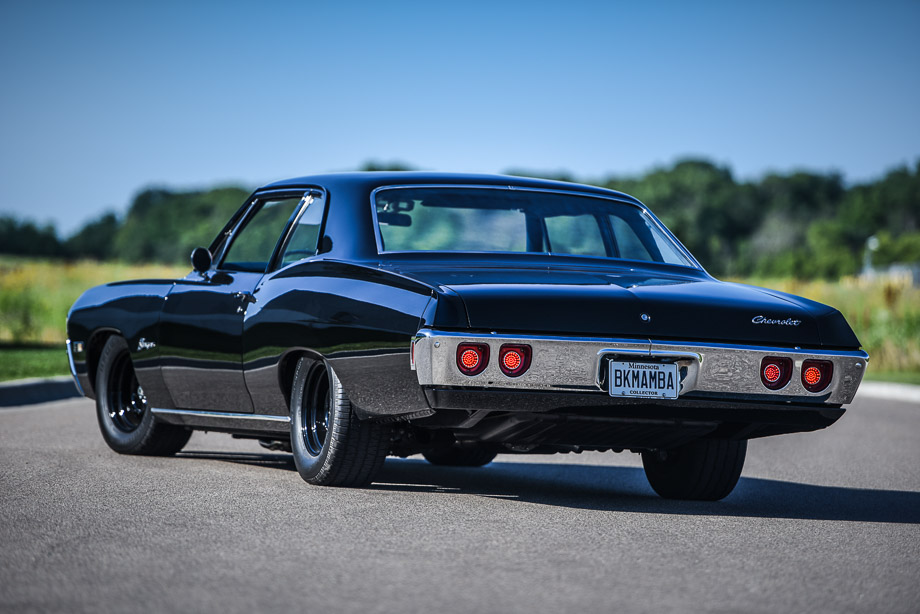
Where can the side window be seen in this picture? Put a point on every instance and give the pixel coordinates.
(255, 241)
(305, 238)
(628, 242)
(575, 234)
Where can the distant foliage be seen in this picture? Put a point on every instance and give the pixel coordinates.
(165, 226)
(160, 226)
(25, 238)
(802, 225)
(95, 240)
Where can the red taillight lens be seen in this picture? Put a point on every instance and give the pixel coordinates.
(811, 376)
(817, 374)
(772, 373)
(472, 358)
(514, 360)
(775, 372)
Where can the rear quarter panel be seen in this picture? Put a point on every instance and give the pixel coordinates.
(358, 318)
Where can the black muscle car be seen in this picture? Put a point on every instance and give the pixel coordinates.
(347, 317)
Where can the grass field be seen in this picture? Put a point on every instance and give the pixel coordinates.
(21, 361)
(35, 296)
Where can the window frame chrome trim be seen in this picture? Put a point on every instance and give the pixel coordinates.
(275, 263)
(261, 195)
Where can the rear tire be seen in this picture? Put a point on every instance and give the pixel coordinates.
(705, 470)
(125, 420)
(331, 446)
(455, 456)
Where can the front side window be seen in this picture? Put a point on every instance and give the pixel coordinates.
(473, 219)
(305, 236)
(254, 243)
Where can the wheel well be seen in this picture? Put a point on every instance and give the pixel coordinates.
(93, 351)
(286, 369)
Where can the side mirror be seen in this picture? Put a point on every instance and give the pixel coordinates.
(201, 260)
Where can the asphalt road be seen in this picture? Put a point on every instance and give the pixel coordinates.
(820, 522)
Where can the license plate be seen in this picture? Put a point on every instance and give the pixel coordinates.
(648, 380)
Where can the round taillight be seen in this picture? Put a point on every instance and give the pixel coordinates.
(812, 375)
(514, 360)
(817, 374)
(772, 373)
(775, 371)
(472, 358)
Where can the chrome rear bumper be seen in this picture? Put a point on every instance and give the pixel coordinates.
(575, 364)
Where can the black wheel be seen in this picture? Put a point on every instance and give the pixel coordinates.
(331, 446)
(127, 424)
(705, 470)
(456, 456)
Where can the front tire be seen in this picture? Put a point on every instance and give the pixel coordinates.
(705, 470)
(331, 446)
(125, 420)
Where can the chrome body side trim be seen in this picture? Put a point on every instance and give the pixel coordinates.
(577, 364)
(73, 369)
(224, 420)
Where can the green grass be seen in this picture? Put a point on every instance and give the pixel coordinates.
(35, 295)
(18, 362)
(900, 377)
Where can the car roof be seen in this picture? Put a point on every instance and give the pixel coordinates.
(370, 180)
(349, 224)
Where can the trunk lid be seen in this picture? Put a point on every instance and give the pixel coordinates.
(610, 302)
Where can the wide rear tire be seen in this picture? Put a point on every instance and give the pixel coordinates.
(331, 446)
(125, 420)
(705, 470)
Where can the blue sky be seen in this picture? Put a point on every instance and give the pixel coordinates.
(100, 99)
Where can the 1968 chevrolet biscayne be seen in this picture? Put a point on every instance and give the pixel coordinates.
(348, 317)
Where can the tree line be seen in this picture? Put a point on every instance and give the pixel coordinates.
(801, 224)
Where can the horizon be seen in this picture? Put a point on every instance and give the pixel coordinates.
(121, 212)
(104, 100)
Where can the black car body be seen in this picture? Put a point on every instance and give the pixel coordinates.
(459, 316)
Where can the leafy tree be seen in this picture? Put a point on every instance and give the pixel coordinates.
(375, 165)
(799, 224)
(95, 240)
(25, 238)
(165, 226)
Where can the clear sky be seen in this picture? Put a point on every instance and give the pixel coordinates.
(100, 99)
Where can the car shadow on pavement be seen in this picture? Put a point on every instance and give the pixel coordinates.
(266, 459)
(617, 489)
(626, 489)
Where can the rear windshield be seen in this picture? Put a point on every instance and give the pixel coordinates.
(424, 219)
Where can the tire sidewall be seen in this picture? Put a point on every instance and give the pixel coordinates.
(308, 466)
(115, 349)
